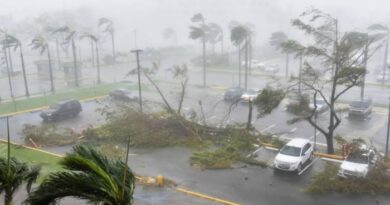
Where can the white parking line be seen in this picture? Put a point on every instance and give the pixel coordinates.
(332, 160)
(267, 128)
(307, 166)
(254, 152)
(292, 130)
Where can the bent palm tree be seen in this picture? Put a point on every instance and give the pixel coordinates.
(200, 32)
(12, 42)
(277, 39)
(40, 43)
(69, 39)
(108, 28)
(13, 175)
(90, 176)
(238, 35)
(383, 30)
(94, 39)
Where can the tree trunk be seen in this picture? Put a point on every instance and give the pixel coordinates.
(58, 54)
(8, 72)
(8, 200)
(246, 64)
(365, 59)
(239, 65)
(97, 63)
(385, 60)
(249, 122)
(11, 65)
(222, 45)
(329, 143)
(300, 75)
(24, 72)
(76, 75)
(92, 53)
(113, 46)
(287, 62)
(50, 70)
(204, 61)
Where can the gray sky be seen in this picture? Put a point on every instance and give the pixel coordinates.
(150, 17)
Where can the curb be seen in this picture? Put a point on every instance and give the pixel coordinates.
(199, 195)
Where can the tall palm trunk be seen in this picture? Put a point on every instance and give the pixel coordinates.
(76, 75)
(8, 196)
(246, 64)
(8, 72)
(11, 64)
(365, 59)
(97, 63)
(385, 58)
(113, 46)
(287, 62)
(204, 60)
(222, 44)
(58, 54)
(50, 70)
(24, 72)
(239, 65)
(92, 53)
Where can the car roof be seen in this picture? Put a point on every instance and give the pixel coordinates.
(66, 101)
(297, 142)
(121, 89)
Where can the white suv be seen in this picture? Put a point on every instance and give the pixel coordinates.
(294, 155)
(357, 165)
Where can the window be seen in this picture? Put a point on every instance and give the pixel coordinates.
(305, 148)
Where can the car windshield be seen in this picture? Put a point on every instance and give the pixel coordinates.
(55, 106)
(292, 151)
(359, 104)
(357, 158)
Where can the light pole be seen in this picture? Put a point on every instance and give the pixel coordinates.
(139, 77)
(388, 131)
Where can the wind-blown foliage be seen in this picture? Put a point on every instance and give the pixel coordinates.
(41, 44)
(13, 175)
(90, 176)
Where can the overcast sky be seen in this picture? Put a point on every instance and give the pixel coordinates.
(150, 17)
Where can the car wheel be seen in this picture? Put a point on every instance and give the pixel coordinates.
(299, 168)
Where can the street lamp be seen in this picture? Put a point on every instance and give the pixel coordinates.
(388, 131)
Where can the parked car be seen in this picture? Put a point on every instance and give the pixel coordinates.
(360, 108)
(62, 109)
(380, 78)
(321, 105)
(358, 163)
(272, 68)
(249, 95)
(294, 155)
(122, 94)
(233, 94)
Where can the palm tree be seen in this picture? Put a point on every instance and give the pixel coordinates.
(95, 40)
(238, 35)
(70, 38)
(200, 32)
(277, 38)
(90, 176)
(10, 41)
(39, 42)
(108, 28)
(385, 31)
(14, 173)
(215, 36)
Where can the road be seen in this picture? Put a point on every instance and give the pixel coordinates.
(246, 184)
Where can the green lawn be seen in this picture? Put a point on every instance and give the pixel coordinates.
(48, 163)
(46, 100)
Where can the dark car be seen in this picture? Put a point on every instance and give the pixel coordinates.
(233, 94)
(360, 108)
(122, 94)
(61, 110)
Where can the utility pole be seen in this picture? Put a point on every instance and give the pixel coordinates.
(137, 51)
(388, 131)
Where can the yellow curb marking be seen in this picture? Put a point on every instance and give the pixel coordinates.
(196, 194)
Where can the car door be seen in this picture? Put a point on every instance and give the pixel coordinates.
(306, 152)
